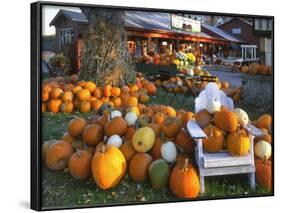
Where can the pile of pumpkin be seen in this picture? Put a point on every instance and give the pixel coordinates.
(67, 94)
(158, 59)
(256, 69)
(151, 143)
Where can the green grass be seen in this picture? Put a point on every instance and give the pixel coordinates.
(60, 189)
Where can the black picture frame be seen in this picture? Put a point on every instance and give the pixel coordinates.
(36, 127)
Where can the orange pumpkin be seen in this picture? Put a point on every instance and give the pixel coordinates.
(92, 134)
(264, 173)
(76, 89)
(185, 142)
(129, 134)
(156, 128)
(79, 164)
(76, 126)
(58, 154)
(115, 91)
(128, 150)
(132, 102)
(67, 107)
(226, 120)
(116, 101)
(108, 166)
(186, 117)
(102, 120)
(156, 149)
(184, 181)
(43, 107)
(170, 111)
(264, 121)
(54, 105)
(158, 118)
(139, 165)
(56, 93)
(83, 94)
(117, 126)
(45, 96)
(107, 91)
(238, 143)
(144, 98)
(67, 96)
(263, 69)
(91, 86)
(215, 140)
(151, 88)
(225, 85)
(85, 106)
(203, 118)
(171, 126)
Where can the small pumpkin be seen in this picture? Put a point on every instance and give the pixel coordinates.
(131, 118)
(170, 111)
(128, 150)
(98, 93)
(186, 117)
(143, 139)
(45, 96)
(117, 126)
(54, 105)
(95, 105)
(76, 126)
(83, 94)
(155, 127)
(243, 118)
(132, 102)
(215, 139)
(76, 89)
(185, 142)
(58, 155)
(263, 150)
(84, 106)
(79, 164)
(158, 172)
(151, 88)
(169, 151)
(67, 137)
(106, 160)
(67, 107)
(203, 118)
(67, 96)
(184, 181)
(129, 134)
(116, 101)
(171, 126)
(226, 120)
(107, 91)
(264, 121)
(115, 91)
(91, 86)
(238, 143)
(115, 140)
(43, 107)
(139, 165)
(158, 118)
(56, 93)
(93, 134)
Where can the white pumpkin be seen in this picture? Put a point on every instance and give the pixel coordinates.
(243, 117)
(169, 152)
(179, 83)
(114, 113)
(263, 149)
(115, 140)
(131, 118)
(190, 72)
(213, 105)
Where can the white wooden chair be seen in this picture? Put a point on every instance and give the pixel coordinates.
(221, 163)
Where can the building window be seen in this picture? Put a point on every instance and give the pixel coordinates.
(236, 30)
(260, 24)
(66, 36)
(268, 24)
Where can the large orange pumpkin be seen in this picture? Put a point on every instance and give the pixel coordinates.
(83, 94)
(93, 134)
(264, 173)
(184, 181)
(171, 126)
(117, 126)
(76, 126)
(203, 118)
(226, 120)
(215, 139)
(85, 106)
(54, 105)
(67, 107)
(185, 142)
(238, 143)
(128, 150)
(58, 155)
(139, 165)
(79, 164)
(108, 166)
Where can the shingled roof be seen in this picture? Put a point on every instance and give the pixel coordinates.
(74, 16)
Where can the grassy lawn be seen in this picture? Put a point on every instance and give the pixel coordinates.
(59, 189)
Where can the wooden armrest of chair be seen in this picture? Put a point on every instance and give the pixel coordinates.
(251, 129)
(195, 130)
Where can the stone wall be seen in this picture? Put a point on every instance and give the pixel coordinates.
(257, 91)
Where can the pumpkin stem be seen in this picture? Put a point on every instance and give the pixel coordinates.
(185, 166)
(103, 148)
